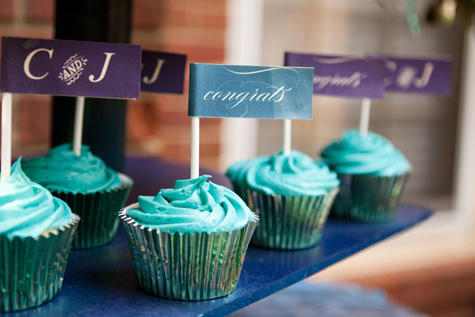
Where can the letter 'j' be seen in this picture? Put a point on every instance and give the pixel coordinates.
(149, 81)
(104, 69)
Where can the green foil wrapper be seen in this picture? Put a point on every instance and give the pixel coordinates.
(288, 222)
(32, 269)
(98, 212)
(368, 198)
(196, 266)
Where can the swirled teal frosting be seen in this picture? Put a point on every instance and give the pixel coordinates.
(63, 171)
(295, 174)
(27, 209)
(371, 154)
(193, 205)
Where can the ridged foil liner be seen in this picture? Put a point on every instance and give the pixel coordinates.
(196, 266)
(32, 269)
(287, 222)
(98, 212)
(368, 198)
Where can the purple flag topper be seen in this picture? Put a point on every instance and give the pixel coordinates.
(430, 76)
(342, 75)
(70, 68)
(163, 72)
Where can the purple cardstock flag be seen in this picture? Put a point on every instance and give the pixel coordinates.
(163, 72)
(70, 68)
(430, 76)
(342, 75)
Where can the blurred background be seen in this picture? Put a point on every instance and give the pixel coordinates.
(431, 268)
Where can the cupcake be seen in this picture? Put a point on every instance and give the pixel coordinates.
(92, 191)
(189, 242)
(36, 230)
(291, 195)
(372, 173)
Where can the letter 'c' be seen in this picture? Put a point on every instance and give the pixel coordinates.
(26, 65)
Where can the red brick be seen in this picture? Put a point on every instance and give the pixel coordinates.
(210, 149)
(181, 134)
(199, 53)
(33, 118)
(147, 13)
(183, 151)
(174, 151)
(173, 118)
(215, 20)
(7, 10)
(175, 18)
(172, 109)
(179, 116)
(209, 162)
(173, 134)
(198, 7)
(197, 36)
(139, 120)
(169, 102)
(41, 11)
(180, 5)
(210, 132)
(216, 122)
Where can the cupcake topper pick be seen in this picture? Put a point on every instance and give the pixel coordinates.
(78, 124)
(65, 68)
(286, 136)
(6, 158)
(344, 76)
(232, 91)
(364, 116)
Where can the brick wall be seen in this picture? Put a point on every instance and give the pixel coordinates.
(157, 125)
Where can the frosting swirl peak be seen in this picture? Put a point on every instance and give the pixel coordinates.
(193, 205)
(295, 174)
(63, 171)
(27, 209)
(371, 154)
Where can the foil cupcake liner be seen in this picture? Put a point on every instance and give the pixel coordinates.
(32, 269)
(98, 212)
(368, 198)
(288, 222)
(196, 266)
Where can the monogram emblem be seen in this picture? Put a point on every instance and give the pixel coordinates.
(406, 77)
(72, 69)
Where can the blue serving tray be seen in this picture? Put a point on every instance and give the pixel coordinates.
(101, 281)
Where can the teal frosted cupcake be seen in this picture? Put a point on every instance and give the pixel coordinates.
(36, 230)
(372, 172)
(291, 194)
(91, 189)
(189, 242)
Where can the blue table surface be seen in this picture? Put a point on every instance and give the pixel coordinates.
(101, 281)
